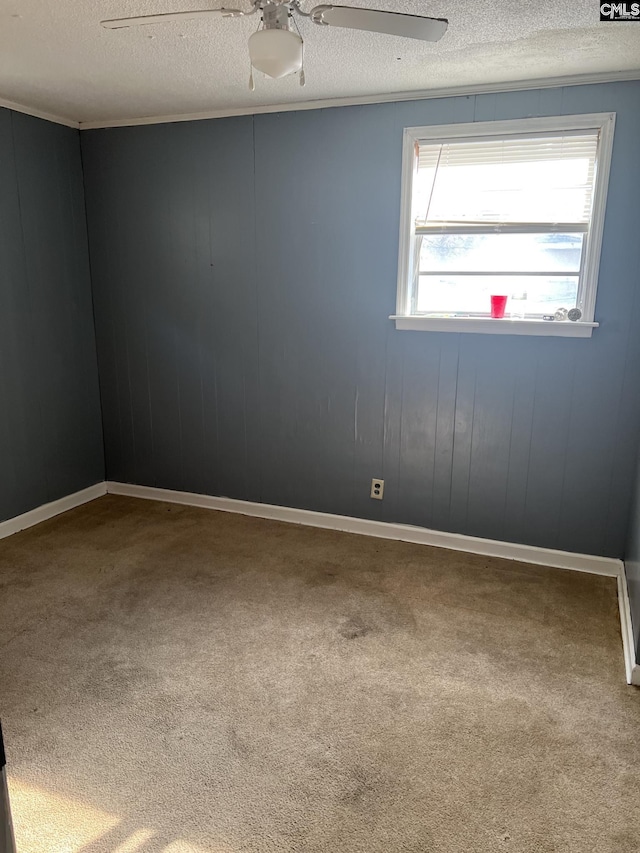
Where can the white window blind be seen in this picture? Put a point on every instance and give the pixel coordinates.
(533, 178)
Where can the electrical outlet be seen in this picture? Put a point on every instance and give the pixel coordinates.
(377, 489)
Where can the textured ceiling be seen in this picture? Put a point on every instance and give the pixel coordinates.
(55, 56)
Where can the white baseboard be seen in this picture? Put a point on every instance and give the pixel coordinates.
(42, 513)
(381, 529)
(384, 530)
(631, 664)
(419, 535)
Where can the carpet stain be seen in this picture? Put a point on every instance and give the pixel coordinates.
(212, 683)
(354, 628)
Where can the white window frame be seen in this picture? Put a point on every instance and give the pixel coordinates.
(588, 284)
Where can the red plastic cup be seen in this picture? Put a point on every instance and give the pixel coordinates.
(498, 305)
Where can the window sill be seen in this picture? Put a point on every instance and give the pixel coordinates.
(489, 326)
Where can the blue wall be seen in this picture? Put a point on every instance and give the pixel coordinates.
(243, 272)
(632, 563)
(50, 428)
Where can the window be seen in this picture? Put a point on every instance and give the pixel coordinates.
(511, 209)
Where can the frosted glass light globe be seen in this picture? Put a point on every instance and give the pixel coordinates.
(276, 52)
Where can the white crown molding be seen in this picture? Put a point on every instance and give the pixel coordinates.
(32, 111)
(421, 95)
(324, 103)
(46, 511)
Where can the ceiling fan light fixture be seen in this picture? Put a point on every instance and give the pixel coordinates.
(276, 52)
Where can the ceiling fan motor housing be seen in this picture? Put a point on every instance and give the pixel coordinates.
(275, 16)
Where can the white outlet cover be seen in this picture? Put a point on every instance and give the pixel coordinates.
(377, 489)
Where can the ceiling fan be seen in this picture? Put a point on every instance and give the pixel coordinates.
(276, 50)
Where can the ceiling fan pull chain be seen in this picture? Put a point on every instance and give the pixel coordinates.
(302, 79)
(252, 85)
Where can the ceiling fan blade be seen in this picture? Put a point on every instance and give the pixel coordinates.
(164, 17)
(377, 21)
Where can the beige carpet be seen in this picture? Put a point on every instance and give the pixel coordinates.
(179, 680)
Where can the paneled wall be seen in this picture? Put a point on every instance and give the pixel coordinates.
(50, 427)
(244, 270)
(632, 563)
